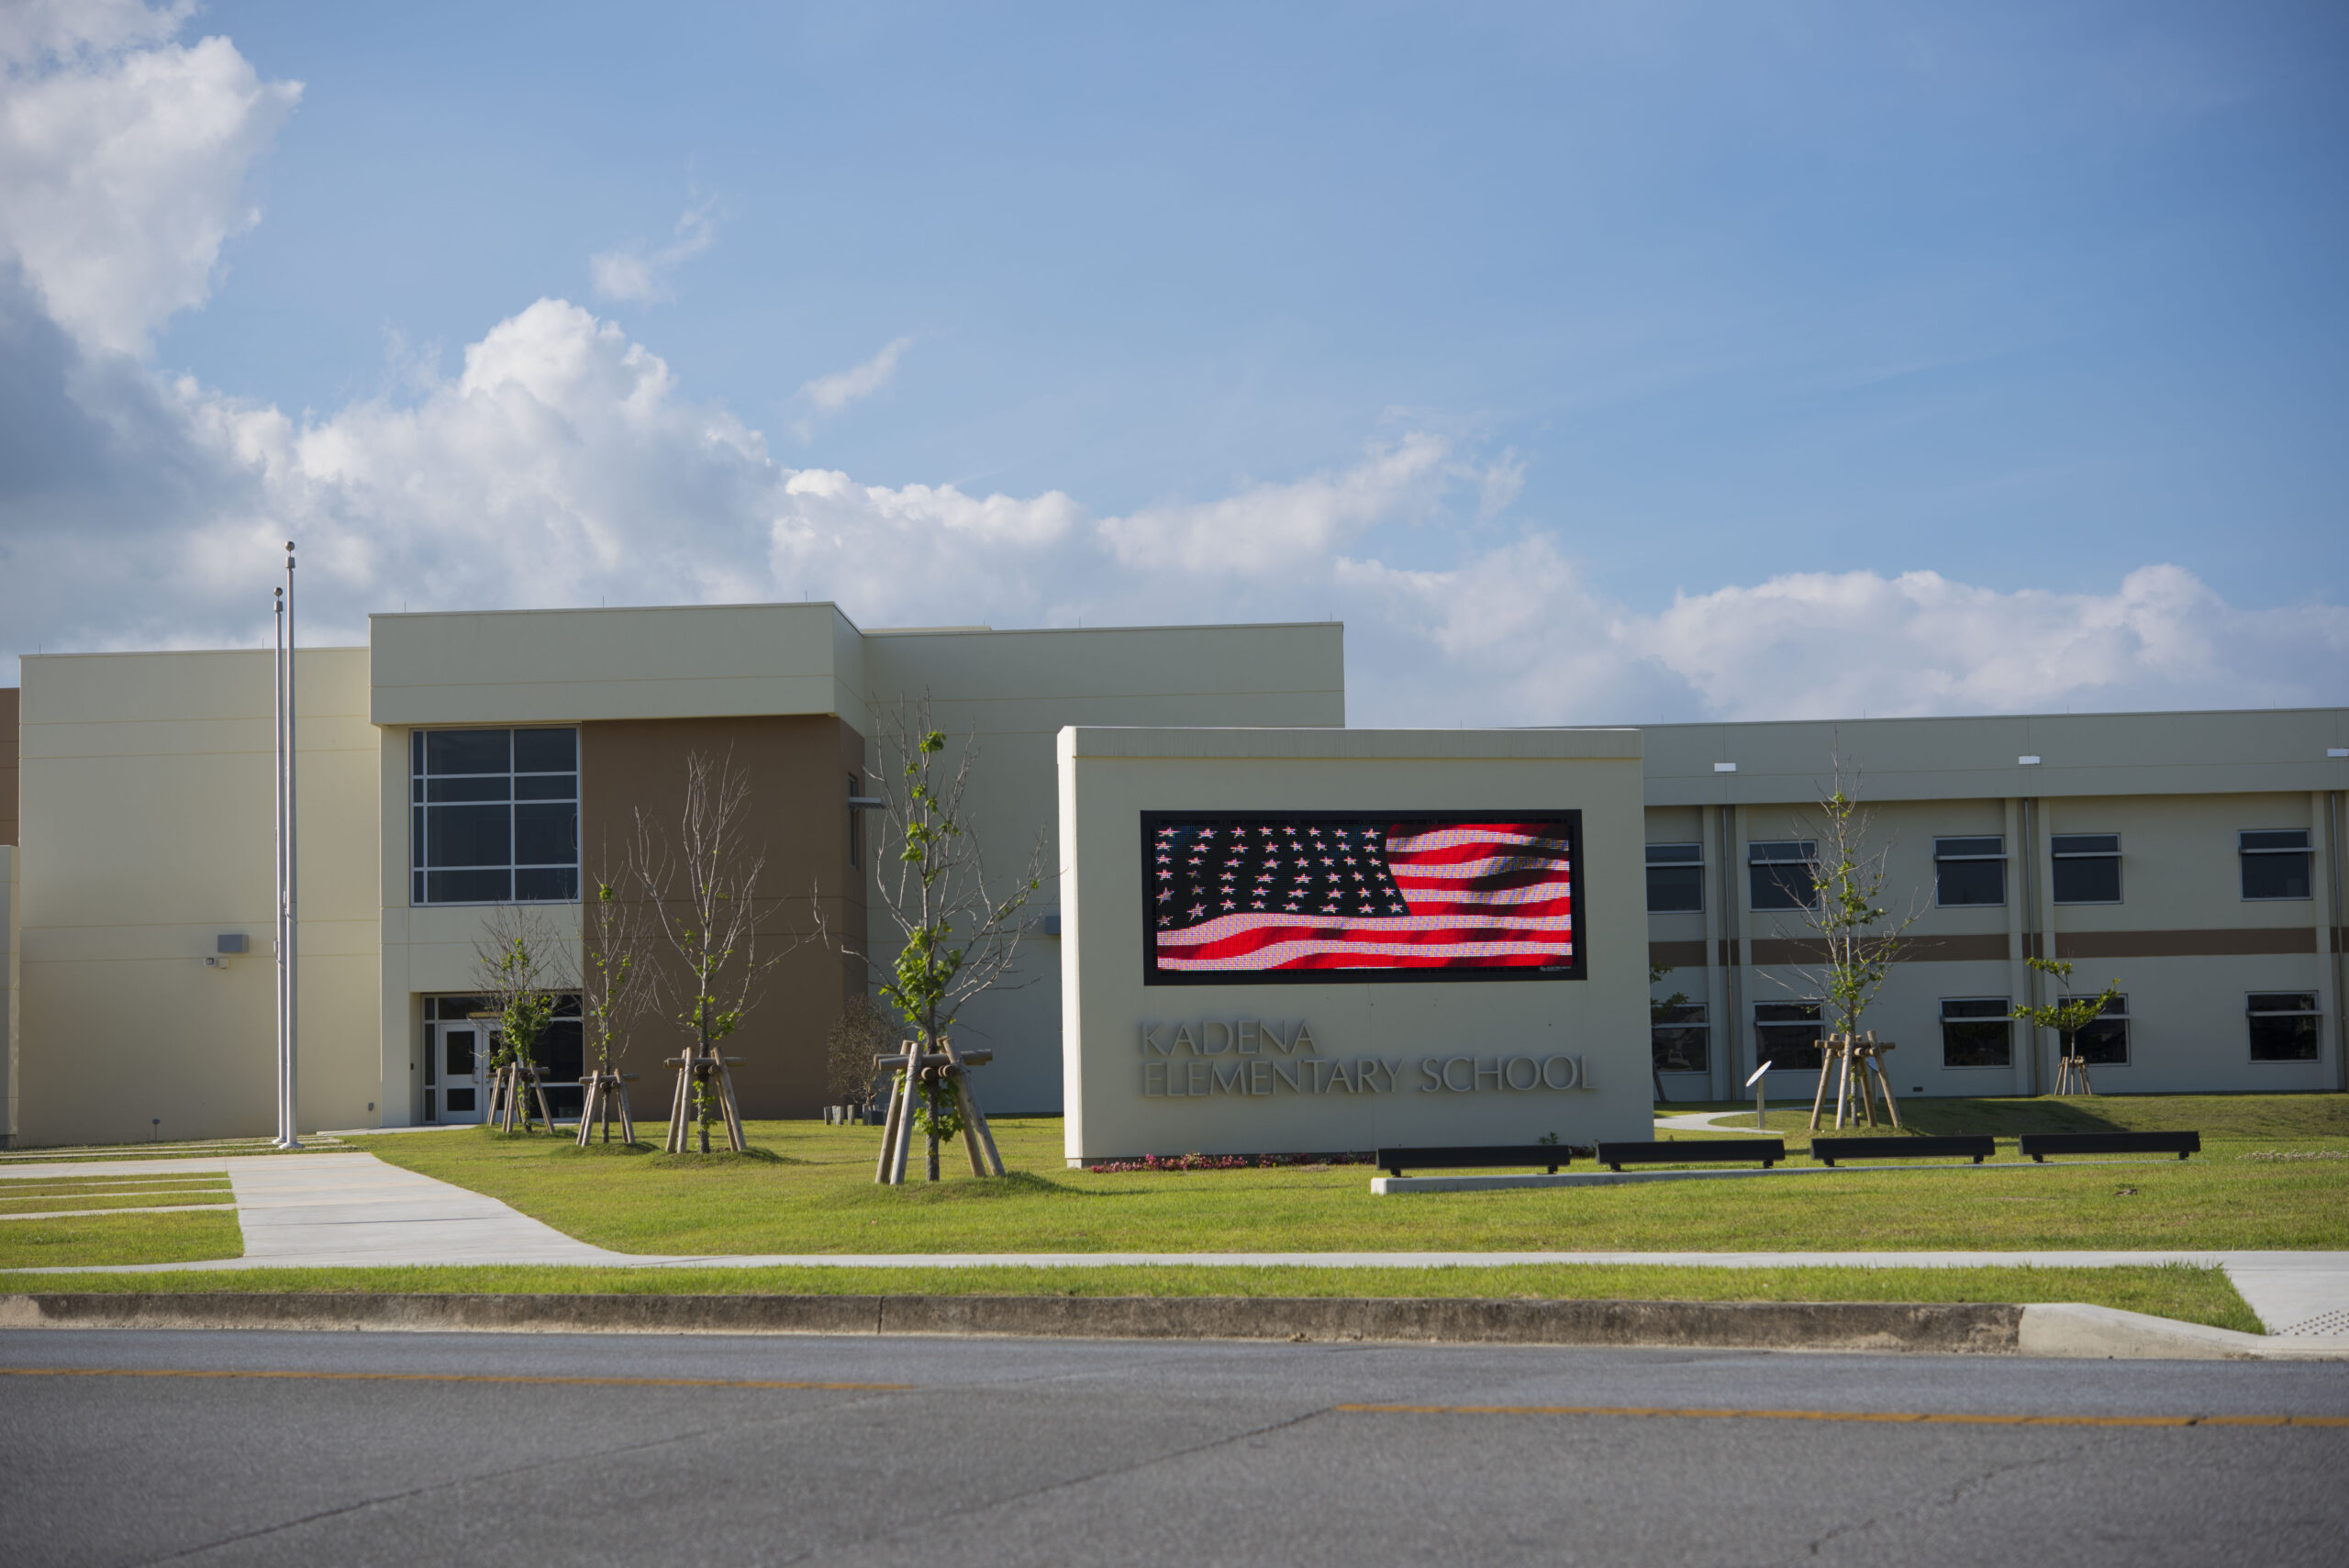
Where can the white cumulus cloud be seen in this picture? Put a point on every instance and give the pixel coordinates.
(564, 464)
(123, 158)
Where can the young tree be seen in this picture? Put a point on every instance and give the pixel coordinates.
(1661, 1013)
(1850, 937)
(521, 967)
(959, 939)
(2068, 1017)
(702, 892)
(862, 1032)
(616, 971)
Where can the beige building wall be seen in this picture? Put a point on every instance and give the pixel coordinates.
(1014, 691)
(2186, 947)
(147, 795)
(9, 856)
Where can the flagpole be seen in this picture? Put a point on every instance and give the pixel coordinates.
(277, 828)
(293, 882)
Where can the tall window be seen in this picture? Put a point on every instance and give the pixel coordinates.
(1783, 874)
(1676, 878)
(493, 816)
(1786, 1034)
(2105, 1042)
(2283, 1026)
(1976, 1033)
(1969, 871)
(1679, 1037)
(2274, 864)
(2088, 867)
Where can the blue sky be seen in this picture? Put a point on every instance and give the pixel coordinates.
(1517, 327)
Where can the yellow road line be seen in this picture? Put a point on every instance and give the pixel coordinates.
(448, 1377)
(1910, 1418)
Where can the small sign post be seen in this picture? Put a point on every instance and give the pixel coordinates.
(1760, 1088)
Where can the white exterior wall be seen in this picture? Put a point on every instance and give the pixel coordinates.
(2186, 947)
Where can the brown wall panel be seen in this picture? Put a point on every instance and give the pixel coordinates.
(2221, 943)
(1990, 947)
(1678, 955)
(799, 769)
(11, 697)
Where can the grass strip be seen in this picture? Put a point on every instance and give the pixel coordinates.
(100, 1241)
(2190, 1294)
(806, 1187)
(100, 1204)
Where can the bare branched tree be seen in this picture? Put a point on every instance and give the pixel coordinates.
(616, 964)
(702, 890)
(1852, 938)
(862, 1033)
(959, 939)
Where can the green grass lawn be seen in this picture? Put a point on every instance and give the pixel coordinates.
(96, 1241)
(92, 1203)
(2193, 1294)
(806, 1187)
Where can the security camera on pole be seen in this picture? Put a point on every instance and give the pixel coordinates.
(288, 991)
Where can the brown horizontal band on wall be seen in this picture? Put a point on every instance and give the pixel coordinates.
(1989, 948)
(2242, 941)
(1677, 955)
(1729, 952)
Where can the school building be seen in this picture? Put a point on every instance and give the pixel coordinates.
(457, 763)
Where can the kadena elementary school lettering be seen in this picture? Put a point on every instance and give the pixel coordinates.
(1258, 1057)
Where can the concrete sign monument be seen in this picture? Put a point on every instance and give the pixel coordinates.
(1314, 941)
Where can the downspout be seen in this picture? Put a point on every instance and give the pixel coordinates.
(1733, 923)
(2332, 859)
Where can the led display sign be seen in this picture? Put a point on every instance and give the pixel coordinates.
(1270, 897)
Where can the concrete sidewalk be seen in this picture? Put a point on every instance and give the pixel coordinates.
(356, 1211)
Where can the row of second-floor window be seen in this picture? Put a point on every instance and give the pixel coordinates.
(493, 816)
(1976, 1032)
(1971, 872)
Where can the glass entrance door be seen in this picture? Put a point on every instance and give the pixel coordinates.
(464, 1071)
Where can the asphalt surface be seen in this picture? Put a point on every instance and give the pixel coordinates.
(358, 1448)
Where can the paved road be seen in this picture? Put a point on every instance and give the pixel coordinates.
(405, 1449)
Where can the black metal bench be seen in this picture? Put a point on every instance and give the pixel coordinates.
(2039, 1145)
(1695, 1152)
(1827, 1150)
(1460, 1156)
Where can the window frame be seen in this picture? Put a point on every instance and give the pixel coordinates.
(2004, 1018)
(1818, 1023)
(1699, 1025)
(2306, 849)
(2056, 854)
(2313, 1012)
(1941, 858)
(2115, 1012)
(1693, 860)
(420, 806)
(1807, 858)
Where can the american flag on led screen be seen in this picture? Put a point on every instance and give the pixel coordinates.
(1263, 896)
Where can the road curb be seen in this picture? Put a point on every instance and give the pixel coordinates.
(2062, 1328)
(1944, 1328)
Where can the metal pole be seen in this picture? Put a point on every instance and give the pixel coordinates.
(292, 882)
(277, 870)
